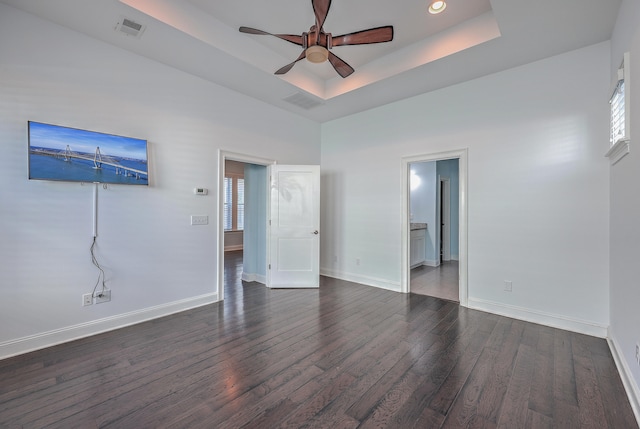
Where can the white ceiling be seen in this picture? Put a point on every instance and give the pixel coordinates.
(470, 39)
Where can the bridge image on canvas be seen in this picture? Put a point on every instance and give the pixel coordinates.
(74, 155)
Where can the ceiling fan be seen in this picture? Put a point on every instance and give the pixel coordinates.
(316, 44)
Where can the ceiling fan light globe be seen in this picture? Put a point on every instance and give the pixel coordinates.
(317, 54)
(437, 6)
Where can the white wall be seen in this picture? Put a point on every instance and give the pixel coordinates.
(625, 213)
(155, 262)
(424, 204)
(233, 240)
(422, 201)
(449, 169)
(254, 262)
(538, 187)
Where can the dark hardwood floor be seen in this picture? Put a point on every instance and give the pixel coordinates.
(342, 356)
(439, 282)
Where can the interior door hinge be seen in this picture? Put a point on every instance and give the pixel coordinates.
(269, 266)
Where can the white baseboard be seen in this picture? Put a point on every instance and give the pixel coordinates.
(434, 263)
(82, 330)
(630, 385)
(248, 277)
(358, 278)
(232, 248)
(539, 317)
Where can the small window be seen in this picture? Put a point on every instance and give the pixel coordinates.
(618, 119)
(619, 103)
(233, 213)
(620, 135)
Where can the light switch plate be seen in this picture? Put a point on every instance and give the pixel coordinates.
(199, 220)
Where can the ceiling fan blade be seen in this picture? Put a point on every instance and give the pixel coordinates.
(297, 40)
(372, 35)
(289, 66)
(320, 10)
(341, 67)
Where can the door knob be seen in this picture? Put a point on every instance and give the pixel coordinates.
(315, 232)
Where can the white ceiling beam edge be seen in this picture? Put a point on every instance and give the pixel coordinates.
(456, 39)
(201, 26)
(192, 21)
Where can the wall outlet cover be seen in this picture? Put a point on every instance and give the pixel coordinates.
(103, 296)
(87, 299)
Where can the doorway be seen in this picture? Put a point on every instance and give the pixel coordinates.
(250, 262)
(442, 253)
(244, 220)
(433, 270)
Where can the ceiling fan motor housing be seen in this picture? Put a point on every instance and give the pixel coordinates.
(309, 39)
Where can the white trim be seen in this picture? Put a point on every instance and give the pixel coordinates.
(358, 278)
(431, 263)
(71, 333)
(630, 385)
(618, 151)
(445, 208)
(540, 317)
(462, 156)
(224, 155)
(252, 277)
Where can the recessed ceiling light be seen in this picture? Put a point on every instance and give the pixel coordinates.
(437, 6)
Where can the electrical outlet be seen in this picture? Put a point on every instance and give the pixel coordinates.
(335, 258)
(87, 299)
(103, 296)
(508, 285)
(199, 220)
(357, 261)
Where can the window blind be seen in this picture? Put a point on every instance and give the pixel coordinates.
(240, 205)
(228, 204)
(618, 124)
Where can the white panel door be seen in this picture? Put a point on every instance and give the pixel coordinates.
(294, 239)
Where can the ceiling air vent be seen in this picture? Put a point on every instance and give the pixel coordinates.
(301, 100)
(130, 28)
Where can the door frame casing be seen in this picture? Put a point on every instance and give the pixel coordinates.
(445, 209)
(462, 156)
(224, 155)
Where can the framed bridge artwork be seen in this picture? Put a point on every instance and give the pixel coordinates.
(74, 155)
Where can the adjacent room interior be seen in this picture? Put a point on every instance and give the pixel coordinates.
(434, 201)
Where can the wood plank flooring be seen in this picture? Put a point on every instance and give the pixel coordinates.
(342, 356)
(440, 282)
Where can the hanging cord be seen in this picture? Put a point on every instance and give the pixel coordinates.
(95, 262)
